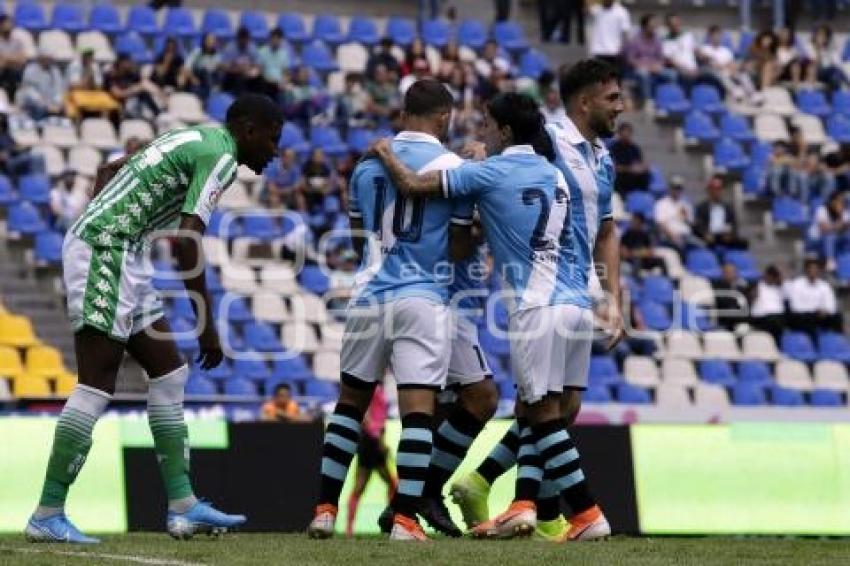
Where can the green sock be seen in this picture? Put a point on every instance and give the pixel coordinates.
(171, 443)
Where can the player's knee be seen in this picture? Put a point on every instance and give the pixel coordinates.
(570, 406)
(481, 399)
(169, 388)
(355, 391)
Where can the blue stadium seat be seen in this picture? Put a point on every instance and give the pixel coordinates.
(745, 263)
(760, 153)
(358, 139)
(314, 279)
(659, 289)
(634, 288)
(68, 17)
(814, 102)
(657, 181)
(799, 346)
(142, 19)
(436, 32)
(223, 225)
(250, 366)
(834, 346)
(48, 247)
(30, 16)
(291, 136)
(700, 128)
(603, 371)
(533, 63)
(181, 305)
(328, 29)
(655, 315)
(324, 390)
(363, 30)
(291, 367)
(718, 372)
(703, 262)
(256, 23)
(838, 127)
(401, 30)
(200, 386)
(826, 398)
(789, 211)
(8, 194)
(842, 270)
(498, 346)
(472, 33)
(596, 394)
(261, 337)
(841, 102)
(694, 318)
(748, 395)
(184, 331)
(238, 311)
(316, 55)
(670, 99)
(221, 372)
(105, 18)
(217, 21)
(507, 389)
(166, 279)
(260, 224)
(640, 202)
(132, 44)
(730, 156)
(755, 372)
(753, 180)
(217, 105)
(240, 387)
(786, 397)
(509, 35)
(213, 280)
(706, 98)
(628, 393)
(292, 25)
(34, 188)
(328, 139)
(745, 40)
(179, 23)
(23, 218)
(736, 127)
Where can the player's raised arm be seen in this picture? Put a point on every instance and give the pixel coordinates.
(405, 179)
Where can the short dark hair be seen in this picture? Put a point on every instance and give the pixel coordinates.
(284, 385)
(256, 107)
(521, 114)
(645, 19)
(585, 73)
(426, 97)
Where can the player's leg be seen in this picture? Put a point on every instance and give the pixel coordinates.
(361, 478)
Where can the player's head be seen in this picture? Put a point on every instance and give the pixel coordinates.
(514, 119)
(255, 122)
(428, 108)
(591, 93)
(282, 394)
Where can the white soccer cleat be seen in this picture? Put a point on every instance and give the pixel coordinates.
(407, 529)
(324, 521)
(519, 520)
(587, 526)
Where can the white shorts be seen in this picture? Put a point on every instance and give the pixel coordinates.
(550, 349)
(412, 336)
(467, 364)
(110, 289)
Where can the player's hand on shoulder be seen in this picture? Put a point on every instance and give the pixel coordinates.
(380, 148)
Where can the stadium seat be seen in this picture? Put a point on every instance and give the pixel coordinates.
(186, 107)
(841, 101)
(359, 139)
(314, 279)
(683, 344)
(695, 318)
(703, 262)
(279, 279)
(261, 337)
(135, 129)
(332, 333)
(236, 310)
(755, 372)
(24, 219)
(748, 395)
(68, 17)
(184, 334)
(10, 361)
(8, 195)
(826, 398)
(730, 156)
(217, 22)
(603, 371)
(299, 337)
(720, 344)
(828, 374)
(291, 136)
(291, 367)
(401, 30)
(327, 138)
(778, 100)
(813, 102)
(760, 153)
(656, 316)
(838, 127)
(672, 396)
(641, 371)
(793, 374)
(509, 34)
(132, 44)
(632, 394)
(316, 55)
(785, 397)
(753, 181)
(699, 128)
(141, 19)
(250, 366)
(30, 16)
(706, 98)
(256, 23)
(61, 134)
(533, 63)
(678, 371)
(65, 383)
(213, 280)
(224, 225)
(44, 361)
(670, 100)
(240, 387)
(472, 33)
(798, 345)
(758, 345)
(745, 263)
(593, 394)
(842, 268)
(736, 127)
(834, 346)
(104, 17)
(718, 372)
(710, 396)
(179, 22)
(659, 289)
(34, 188)
(640, 202)
(48, 248)
(811, 127)
(497, 345)
(771, 128)
(307, 307)
(436, 33)
(363, 30)
(293, 27)
(790, 212)
(58, 44)
(217, 105)
(200, 386)
(326, 366)
(324, 390)
(259, 224)
(16, 331)
(32, 386)
(328, 29)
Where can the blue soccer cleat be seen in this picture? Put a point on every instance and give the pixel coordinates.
(201, 518)
(56, 528)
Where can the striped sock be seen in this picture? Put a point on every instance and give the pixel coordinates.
(563, 465)
(452, 439)
(502, 457)
(71, 444)
(548, 500)
(414, 456)
(341, 439)
(529, 466)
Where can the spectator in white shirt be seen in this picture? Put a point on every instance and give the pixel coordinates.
(674, 216)
(679, 49)
(718, 60)
(832, 227)
(552, 107)
(768, 305)
(812, 302)
(611, 24)
(67, 201)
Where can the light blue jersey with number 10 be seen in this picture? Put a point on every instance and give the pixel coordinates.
(524, 205)
(407, 252)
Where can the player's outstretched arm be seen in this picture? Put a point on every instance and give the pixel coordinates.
(606, 253)
(190, 259)
(406, 180)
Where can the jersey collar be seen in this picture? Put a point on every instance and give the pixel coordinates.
(520, 149)
(575, 137)
(411, 136)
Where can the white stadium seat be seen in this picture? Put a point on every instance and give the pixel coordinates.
(672, 396)
(778, 100)
(793, 374)
(352, 58)
(830, 374)
(61, 134)
(332, 336)
(135, 129)
(97, 42)
(307, 307)
(215, 251)
(85, 159)
(326, 366)
(270, 307)
(58, 44)
(678, 371)
(641, 371)
(279, 278)
(684, 344)
(759, 345)
(672, 261)
(811, 127)
(54, 161)
(697, 290)
(299, 337)
(720, 344)
(186, 107)
(236, 197)
(770, 127)
(239, 279)
(99, 133)
(710, 396)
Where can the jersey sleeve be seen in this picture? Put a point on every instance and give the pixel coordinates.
(462, 212)
(354, 210)
(606, 196)
(468, 180)
(211, 175)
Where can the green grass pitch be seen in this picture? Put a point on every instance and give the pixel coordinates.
(245, 548)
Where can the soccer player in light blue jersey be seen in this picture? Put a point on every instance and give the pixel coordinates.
(398, 316)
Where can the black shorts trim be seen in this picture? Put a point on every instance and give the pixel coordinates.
(434, 388)
(355, 382)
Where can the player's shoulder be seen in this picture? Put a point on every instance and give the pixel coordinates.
(441, 159)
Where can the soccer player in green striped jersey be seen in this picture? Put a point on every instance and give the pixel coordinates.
(175, 181)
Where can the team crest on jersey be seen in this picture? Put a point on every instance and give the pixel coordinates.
(146, 199)
(123, 220)
(97, 317)
(106, 257)
(135, 210)
(100, 302)
(105, 238)
(102, 286)
(105, 271)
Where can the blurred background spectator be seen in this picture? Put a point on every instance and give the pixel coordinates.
(632, 170)
(715, 221)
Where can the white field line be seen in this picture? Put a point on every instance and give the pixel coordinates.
(119, 557)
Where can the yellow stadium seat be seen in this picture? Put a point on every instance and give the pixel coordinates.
(16, 331)
(31, 386)
(10, 362)
(44, 361)
(65, 383)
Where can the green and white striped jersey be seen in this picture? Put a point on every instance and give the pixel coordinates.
(181, 171)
